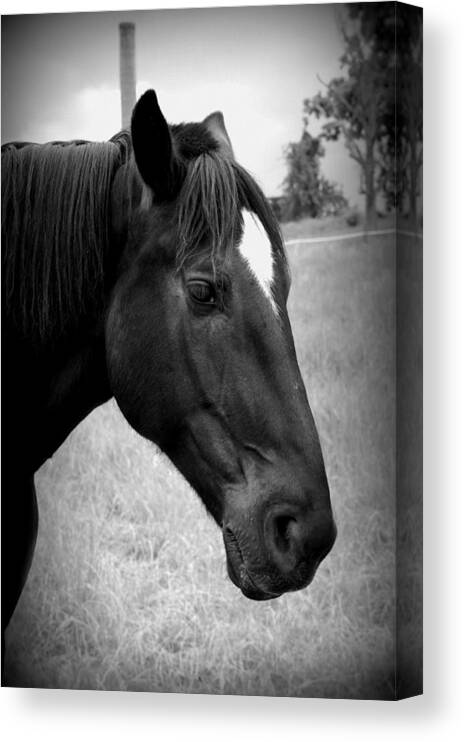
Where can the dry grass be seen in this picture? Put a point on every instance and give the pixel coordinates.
(128, 589)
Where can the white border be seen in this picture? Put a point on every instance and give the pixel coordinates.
(56, 715)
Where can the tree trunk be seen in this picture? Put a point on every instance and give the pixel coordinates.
(369, 175)
(413, 172)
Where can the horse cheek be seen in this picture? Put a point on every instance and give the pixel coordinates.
(140, 368)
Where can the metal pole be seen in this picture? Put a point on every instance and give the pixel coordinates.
(127, 71)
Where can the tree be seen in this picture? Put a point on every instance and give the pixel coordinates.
(377, 105)
(410, 105)
(394, 32)
(354, 106)
(306, 191)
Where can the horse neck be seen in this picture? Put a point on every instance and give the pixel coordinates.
(80, 382)
(55, 301)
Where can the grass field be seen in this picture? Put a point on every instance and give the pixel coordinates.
(128, 589)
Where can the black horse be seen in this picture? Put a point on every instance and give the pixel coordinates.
(151, 268)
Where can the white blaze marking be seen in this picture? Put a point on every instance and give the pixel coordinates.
(256, 248)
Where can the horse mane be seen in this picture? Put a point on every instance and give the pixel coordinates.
(56, 220)
(56, 230)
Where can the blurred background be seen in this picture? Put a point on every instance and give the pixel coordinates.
(128, 588)
(61, 75)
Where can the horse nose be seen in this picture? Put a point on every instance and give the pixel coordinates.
(293, 537)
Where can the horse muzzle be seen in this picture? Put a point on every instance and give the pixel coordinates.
(279, 552)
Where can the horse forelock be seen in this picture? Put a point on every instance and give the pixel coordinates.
(215, 192)
(208, 206)
(213, 195)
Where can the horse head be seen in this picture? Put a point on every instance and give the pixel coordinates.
(200, 353)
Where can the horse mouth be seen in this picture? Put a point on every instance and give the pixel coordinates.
(238, 572)
(247, 586)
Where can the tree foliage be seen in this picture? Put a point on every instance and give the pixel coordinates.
(306, 191)
(354, 107)
(394, 33)
(376, 104)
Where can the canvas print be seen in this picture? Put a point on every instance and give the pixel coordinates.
(211, 351)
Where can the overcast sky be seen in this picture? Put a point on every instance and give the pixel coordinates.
(60, 77)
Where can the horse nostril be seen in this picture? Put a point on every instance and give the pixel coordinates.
(283, 525)
(284, 535)
(294, 537)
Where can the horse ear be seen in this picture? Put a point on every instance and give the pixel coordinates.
(216, 126)
(153, 148)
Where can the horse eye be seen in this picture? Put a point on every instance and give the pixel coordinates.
(202, 292)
